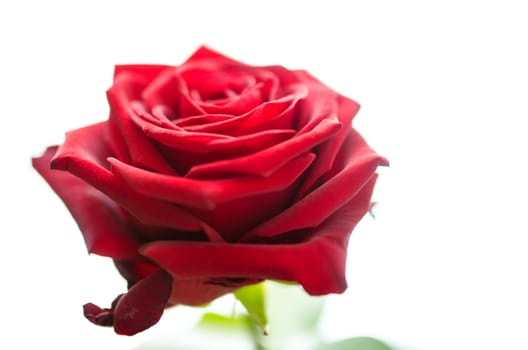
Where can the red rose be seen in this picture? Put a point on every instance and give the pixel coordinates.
(212, 175)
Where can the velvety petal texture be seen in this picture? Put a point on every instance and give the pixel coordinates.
(212, 175)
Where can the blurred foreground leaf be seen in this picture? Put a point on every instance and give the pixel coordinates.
(293, 320)
(216, 321)
(359, 343)
(253, 298)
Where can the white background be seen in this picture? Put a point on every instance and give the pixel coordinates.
(444, 91)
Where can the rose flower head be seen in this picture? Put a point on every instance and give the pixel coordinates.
(212, 175)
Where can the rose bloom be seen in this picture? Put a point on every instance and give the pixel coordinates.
(213, 175)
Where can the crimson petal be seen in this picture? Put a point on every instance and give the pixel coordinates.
(100, 220)
(142, 306)
(83, 154)
(315, 207)
(206, 194)
(174, 136)
(146, 71)
(98, 316)
(327, 152)
(266, 162)
(206, 56)
(317, 264)
(276, 114)
(239, 104)
(141, 151)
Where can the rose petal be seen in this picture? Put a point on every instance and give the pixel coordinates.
(215, 150)
(206, 194)
(146, 71)
(200, 291)
(250, 143)
(235, 218)
(285, 76)
(266, 162)
(196, 137)
(318, 105)
(139, 76)
(276, 114)
(142, 306)
(318, 264)
(104, 228)
(205, 56)
(211, 83)
(200, 120)
(135, 270)
(98, 316)
(83, 154)
(328, 150)
(174, 137)
(314, 208)
(169, 89)
(238, 104)
(140, 149)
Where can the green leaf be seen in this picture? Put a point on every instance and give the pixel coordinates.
(217, 321)
(253, 298)
(359, 343)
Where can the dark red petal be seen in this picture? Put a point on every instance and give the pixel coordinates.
(104, 227)
(251, 143)
(317, 264)
(135, 270)
(328, 150)
(314, 208)
(318, 105)
(266, 162)
(142, 306)
(206, 194)
(141, 151)
(83, 154)
(200, 291)
(174, 136)
(98, 316)
(221, 149)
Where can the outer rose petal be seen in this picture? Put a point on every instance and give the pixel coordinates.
(317, 264)
(103, 225)
(84, 154)
(142, 306)
(360, 162)
(327, 152)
